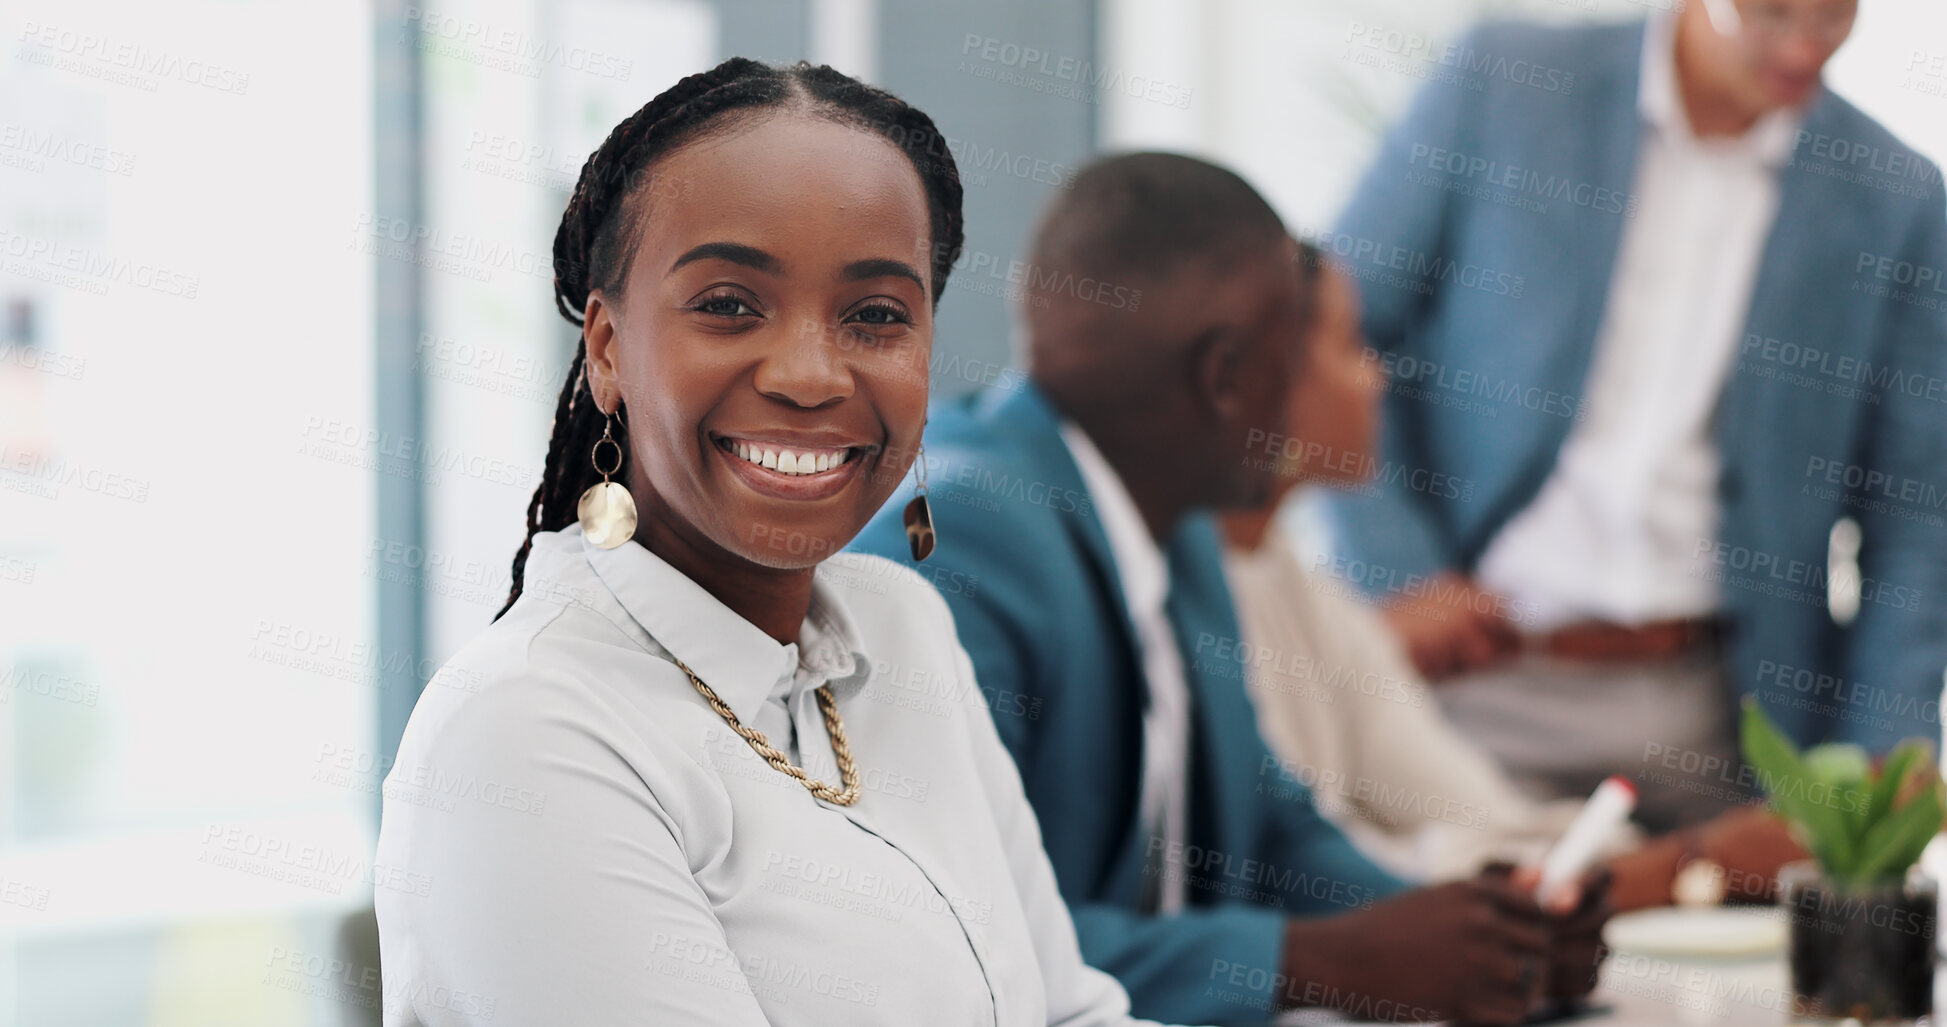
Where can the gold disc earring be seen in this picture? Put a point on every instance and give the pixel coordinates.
(606, 510)
(919, 516)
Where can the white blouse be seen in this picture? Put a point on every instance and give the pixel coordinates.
(1339, 700)
(573, 836)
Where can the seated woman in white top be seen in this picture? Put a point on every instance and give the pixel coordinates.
(1338, 698)
(713, 771)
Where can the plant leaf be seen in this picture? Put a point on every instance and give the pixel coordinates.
(1783, 777)
(1898, 839)
(1905, 758)
(1837, 762)
(1842, 774)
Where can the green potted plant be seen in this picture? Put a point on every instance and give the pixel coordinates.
(1862, 919)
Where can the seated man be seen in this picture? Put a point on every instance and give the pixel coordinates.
(1341, 703)
(1164, 321)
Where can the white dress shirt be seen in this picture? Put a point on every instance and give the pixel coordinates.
(1145, 576)
(589, 843)
(1616, 530)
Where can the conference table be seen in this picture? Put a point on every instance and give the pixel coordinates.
(1682, 968)
(1678, 967)
(1669, 987)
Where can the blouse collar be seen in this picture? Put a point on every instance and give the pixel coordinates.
(744, 666)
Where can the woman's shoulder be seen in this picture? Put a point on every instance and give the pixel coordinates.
(908, 630)
(493, 681)
(898, 605)
(551, 710)
(875, 583)
(546, 668)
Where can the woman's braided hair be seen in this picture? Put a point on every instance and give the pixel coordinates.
(597, 236)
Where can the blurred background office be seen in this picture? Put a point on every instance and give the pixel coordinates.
(278, 355)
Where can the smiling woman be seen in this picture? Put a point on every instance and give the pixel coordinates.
(812, 239)
(732, 817)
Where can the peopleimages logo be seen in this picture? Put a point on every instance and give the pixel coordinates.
(1844, 368)
(1463, 60)
(1895, 163)
(1873, 483)
(1522, 180)
(518, 49)
(1901, 281)
(31, 146)
(88, 269)
(1403, 370)
(1416, 270)
(118, 60)
(1785, 577)
(1901, 272)
(1033, 60)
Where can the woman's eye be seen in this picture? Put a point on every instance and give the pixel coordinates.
(724, 306)
(881, 316)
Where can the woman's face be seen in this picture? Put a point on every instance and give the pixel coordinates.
(1335, 407)
(772, 339)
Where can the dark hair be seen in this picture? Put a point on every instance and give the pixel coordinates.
(599, 228)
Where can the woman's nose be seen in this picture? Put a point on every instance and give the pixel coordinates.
(805, 368)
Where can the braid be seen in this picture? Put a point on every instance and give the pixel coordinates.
(557, 444)
(594, 244)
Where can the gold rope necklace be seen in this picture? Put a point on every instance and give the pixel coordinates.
(848, 772)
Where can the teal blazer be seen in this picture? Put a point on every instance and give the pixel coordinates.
(1025, 565)
(1484, 237)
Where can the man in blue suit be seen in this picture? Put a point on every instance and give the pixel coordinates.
(1165, 320)
(1667, 309)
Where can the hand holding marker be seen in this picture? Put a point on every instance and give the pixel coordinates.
(1611, 803)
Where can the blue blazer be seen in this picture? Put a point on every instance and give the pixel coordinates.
(1833, 407)
(1025, 565)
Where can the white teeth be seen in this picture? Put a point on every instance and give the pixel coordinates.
(789, 461)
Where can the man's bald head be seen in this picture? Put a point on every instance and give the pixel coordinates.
(1131, 240)
(1137, 216)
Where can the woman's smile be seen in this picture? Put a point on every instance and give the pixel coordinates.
(785, 468)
